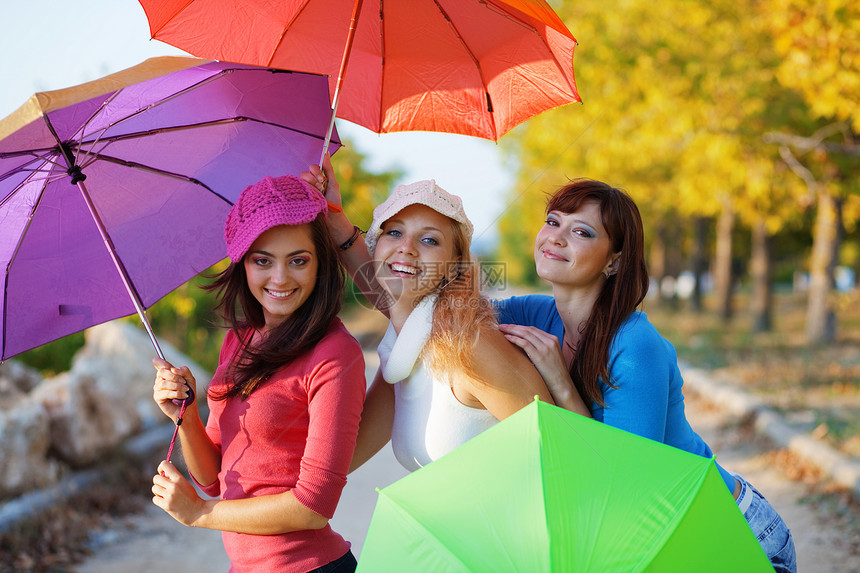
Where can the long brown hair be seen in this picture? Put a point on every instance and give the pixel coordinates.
(302, 330)
(461, 312)
(623, 291)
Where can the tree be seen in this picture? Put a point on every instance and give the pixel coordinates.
(819, 41)
(820, 45)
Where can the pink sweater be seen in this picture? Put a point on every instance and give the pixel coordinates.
(296, 432)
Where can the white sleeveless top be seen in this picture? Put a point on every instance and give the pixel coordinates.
(429, 421)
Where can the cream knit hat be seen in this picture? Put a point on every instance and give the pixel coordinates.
(424, 192)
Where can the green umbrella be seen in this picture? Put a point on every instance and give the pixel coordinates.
(549, 490)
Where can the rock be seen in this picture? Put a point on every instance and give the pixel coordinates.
(16, 380)
(25, 440)
(86, 419)
(106, 397)
(118, 355)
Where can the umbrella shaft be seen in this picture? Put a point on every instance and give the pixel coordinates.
(119, 267)
(347, 49)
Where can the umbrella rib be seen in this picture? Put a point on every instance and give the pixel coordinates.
(475, 61)
(560, 27)
(82, 129)
(14, 256)
(381, 60)
(28, 179)
(167, 21)
(23, 168)
(223, 72)
(502, 12)
(137, 112)
(30, 151)
(216, 122)
(442, 551)
(284, 31)
(91, 143)
(155, 170)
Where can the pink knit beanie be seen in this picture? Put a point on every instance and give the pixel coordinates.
(286, 200)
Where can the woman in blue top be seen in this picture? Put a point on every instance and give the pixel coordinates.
(589, 339)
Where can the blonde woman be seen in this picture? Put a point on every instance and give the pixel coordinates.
(446, 372)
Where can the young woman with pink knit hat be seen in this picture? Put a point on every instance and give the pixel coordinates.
(286, 399)
(446, 373)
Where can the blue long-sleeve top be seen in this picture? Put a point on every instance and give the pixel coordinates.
(647, 398)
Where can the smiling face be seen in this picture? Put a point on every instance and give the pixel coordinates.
(281, 267)
(573, 249)
(414, 252)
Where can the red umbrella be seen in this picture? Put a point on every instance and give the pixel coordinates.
(474, 67)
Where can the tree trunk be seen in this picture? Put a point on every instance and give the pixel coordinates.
(761, 271)
(820, 315)
(723, 276)
(657, 263)
(657, 256)
(670, 261)
(699, 261)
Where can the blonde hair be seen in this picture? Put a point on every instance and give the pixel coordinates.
(460, 315)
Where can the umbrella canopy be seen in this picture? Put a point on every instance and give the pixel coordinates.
(549, 490)
(115, 192)
(474, 67)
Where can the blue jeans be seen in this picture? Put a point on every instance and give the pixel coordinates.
(769, 528)
(345, 564)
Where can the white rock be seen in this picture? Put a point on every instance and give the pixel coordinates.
(24, 446)
(106, 397)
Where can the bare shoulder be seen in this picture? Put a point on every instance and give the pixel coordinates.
(493, 351)
(499, 363)
(503, 378)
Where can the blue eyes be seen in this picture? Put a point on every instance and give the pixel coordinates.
(396, 233)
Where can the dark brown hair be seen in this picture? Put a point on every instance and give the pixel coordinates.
(303, 329)
(621, 294)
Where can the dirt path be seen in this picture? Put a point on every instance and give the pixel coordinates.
(152, 541)
(823, 546)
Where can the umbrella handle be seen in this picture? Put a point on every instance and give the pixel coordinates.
(347, 50)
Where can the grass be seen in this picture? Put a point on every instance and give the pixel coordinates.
(815, 388)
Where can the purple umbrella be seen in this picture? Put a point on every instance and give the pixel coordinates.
(115, 192)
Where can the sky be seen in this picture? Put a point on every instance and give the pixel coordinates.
(54, 44)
